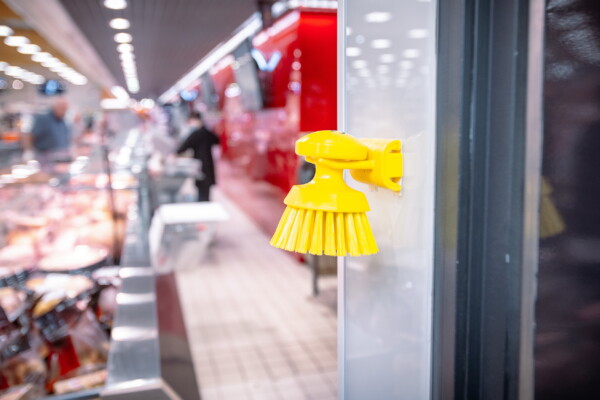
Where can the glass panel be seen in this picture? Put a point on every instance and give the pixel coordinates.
(390, 93)
(568, 305)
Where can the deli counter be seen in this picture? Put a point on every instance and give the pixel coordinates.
(83, 315)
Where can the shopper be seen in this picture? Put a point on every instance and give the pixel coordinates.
(201, 140)
(50, 135)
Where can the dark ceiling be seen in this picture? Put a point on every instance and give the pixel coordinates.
(169, 36)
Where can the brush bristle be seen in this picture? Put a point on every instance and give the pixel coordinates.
(321, 232)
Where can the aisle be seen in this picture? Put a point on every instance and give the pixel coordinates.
(255, 331)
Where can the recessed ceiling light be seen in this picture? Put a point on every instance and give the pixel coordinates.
(52, 62)
(123, 37)
(418, 33)
(5, 30)
(41, 57)
(16, 41)
(58, 67)
(378, 17)
(115, 4)
(359, 64)
(79, 80)
(12, 70)
(353, 51)
(38, 80)
(29, 49)
(119, 23)
(381, 43)
(125, 48)
(387, 58)
(406, 64)
(126, 56)
(411, 53)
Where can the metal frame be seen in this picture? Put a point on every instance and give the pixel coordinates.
(450, 127)
(489, 147)
(341, 270)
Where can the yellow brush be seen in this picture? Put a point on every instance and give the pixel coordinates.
(325, 215)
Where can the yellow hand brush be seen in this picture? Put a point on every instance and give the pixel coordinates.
(325, 215)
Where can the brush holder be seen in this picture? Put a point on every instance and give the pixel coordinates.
(325, 215)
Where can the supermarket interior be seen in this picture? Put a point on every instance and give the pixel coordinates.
(299, 199)
(116, 281)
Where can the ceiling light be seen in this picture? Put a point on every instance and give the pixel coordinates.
(125, 48)
(115, 4)
(52, 62)
(359, 64)
(58, 68)
(12, 70)
(113, 104)
(41, 57)
(78, 79)
(381, 43)
(38, 80)
(16, 41)
(119, 92)
(406, 64)
(418, 33)
(378, 17)
(3, 65)
(387, 58)
(119, 23)
(353, 51)
(28, 75)
(249, 28)
(17, 84)
(147, 103)
(411, 53)
(5, 30)
(29, 49)
(126, 56)
(123, 37)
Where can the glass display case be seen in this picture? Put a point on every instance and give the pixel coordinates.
(76, 287)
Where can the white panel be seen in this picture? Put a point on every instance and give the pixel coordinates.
(390, 67)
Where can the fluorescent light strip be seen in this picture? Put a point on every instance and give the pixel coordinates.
(251, 26)
(5, 30)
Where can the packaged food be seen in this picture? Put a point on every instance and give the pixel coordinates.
(18, 256)
(80, 259)
(24, 392)
(105, 300)
(21, 365)
(72, 285)
(12, 311)
(12, 301)
(72, 332)
(82, 381)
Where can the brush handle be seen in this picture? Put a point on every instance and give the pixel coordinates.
(366, 164)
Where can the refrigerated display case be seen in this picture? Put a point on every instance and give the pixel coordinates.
(63, 226)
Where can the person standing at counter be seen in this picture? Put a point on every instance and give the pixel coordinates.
(50, 135)
(201, 141)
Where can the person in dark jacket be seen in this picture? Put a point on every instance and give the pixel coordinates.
(200, 141)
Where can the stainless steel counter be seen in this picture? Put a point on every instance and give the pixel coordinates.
(150, 354)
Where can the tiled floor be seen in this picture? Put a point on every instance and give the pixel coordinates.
(255, 331)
